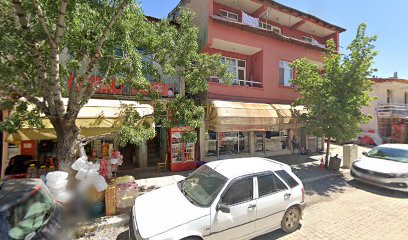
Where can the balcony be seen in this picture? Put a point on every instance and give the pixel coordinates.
(237, 82)
(389, 110)
(275, 20)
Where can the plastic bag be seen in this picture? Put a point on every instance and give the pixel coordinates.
(56, 175)
(79, 163)
(100, 183)
(126, 195)
(124, 180)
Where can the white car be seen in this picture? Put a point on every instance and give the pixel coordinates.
(385, 166)
(221, 200)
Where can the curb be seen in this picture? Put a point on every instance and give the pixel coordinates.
(84, 229)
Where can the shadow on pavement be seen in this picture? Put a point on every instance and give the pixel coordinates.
(275, 234)
(123, 235)
(326, 186)
(377, 190)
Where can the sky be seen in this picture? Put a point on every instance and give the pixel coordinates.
(386, 19)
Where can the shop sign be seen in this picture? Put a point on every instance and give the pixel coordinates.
(113, 88)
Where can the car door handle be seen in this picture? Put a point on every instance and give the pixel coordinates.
(251, 206)
(287, 195)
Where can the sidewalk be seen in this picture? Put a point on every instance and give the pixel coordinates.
(306, 167)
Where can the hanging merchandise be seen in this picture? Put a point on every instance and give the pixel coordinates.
(89, 173)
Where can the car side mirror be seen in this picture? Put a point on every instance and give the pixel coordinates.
(223, 208)
(365, 153)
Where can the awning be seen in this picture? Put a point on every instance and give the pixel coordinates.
(225, 116)
(97, 117)
(288, 115)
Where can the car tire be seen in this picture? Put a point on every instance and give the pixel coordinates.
(192, 238)
(291, 219)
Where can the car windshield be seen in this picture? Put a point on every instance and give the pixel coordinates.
(24, 219)
(202, 186)
(394, 154)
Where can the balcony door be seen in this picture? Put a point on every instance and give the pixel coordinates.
(237, 68)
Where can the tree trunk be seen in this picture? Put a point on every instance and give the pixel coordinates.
(326, 160)
(67, 146)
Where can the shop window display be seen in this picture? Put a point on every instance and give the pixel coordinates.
(211, 143)
(228, 143)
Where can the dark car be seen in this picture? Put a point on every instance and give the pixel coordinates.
(28, 211)
(18, 166)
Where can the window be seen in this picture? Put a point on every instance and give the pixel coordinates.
(229, 15)
(268, 184)
(308, 39)
(285, 73)
(237, 68)
(269, 27)
(406, 98)
(202, 186)
(389, 96)
(287, 178)
(241, 191)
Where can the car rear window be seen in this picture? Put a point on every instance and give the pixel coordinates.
(287, 178)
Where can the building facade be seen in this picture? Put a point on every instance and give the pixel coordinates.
(389, 112)
(258, 40)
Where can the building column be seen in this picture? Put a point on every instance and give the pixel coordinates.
(252, 143)
(142, 154)
(201, 140)
(4, 150)
(163, 143)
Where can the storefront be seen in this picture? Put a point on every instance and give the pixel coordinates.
(97, 119)
(237, 129)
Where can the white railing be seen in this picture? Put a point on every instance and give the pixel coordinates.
(238, 82)
(386, 110)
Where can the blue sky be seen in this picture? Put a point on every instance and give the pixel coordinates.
(383, 18)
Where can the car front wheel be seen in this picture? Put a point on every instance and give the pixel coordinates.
(291, 219)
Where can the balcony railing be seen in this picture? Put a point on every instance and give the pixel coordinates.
(387, 110)
(237, 82)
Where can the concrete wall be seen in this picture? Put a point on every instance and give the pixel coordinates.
(267, 65)
(398, 89)
(202, 8)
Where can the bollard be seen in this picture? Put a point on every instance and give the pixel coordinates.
(350, 154)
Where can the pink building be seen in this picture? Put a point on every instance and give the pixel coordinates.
(258, 39)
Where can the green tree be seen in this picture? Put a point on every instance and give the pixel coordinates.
(43, 42)
(334, 96)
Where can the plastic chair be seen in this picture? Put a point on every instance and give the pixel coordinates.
(162, 165)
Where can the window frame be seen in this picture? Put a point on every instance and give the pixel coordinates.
(287, 183)
(275, 176)
(289, 84)
(264, 26)
(307, 39)
(228, 15)
(235, 181)
(237, 68)
(406, 97)
(389, 96)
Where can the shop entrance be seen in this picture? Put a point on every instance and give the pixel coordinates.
(153, 149)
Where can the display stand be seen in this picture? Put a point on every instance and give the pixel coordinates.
(182, 155)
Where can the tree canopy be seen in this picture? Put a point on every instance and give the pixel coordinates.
(45, 42)
(335, 94)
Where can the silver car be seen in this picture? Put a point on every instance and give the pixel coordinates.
(385, 166)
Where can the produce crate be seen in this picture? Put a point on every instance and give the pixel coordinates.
(110, 199)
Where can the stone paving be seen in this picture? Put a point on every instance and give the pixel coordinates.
(338, 207)
(342, 208)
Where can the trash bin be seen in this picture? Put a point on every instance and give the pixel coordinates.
(334, 163)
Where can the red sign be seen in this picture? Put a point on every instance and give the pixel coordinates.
(113, 88)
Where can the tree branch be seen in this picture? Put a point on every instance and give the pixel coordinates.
(29, 96)
(44, 26)
(41, 72)
(59, 32)
(102, 39)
